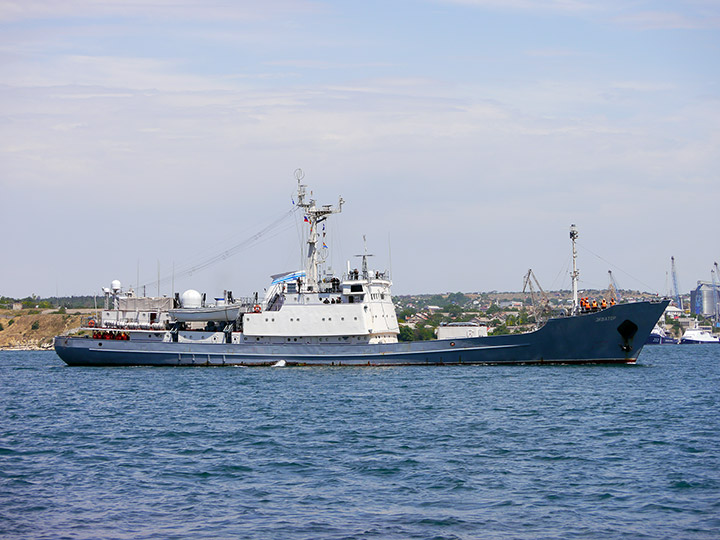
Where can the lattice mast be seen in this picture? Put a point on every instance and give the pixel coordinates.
(314, 216)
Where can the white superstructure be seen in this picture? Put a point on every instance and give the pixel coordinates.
(311, 305)
(356, 307)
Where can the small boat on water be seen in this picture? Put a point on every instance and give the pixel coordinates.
(313, 317)
(698, 336)
(659, 336)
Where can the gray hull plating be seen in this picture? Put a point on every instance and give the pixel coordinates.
(614, 335)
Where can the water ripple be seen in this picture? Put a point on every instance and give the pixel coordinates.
(571, 452)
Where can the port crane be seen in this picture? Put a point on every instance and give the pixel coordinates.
(715, 273)
(613, 291)
(673, 271)
(541, 306)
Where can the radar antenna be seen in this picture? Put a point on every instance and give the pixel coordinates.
(365, 255)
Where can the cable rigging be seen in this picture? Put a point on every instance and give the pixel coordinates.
(190, 268)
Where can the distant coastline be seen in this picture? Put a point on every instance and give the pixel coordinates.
(34, 328)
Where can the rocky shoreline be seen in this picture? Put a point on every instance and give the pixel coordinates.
(32, 330)
(29, 347)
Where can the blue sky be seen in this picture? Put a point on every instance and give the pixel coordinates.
(465, 136)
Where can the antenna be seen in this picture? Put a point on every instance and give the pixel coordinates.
(364, 259)
(390, 255)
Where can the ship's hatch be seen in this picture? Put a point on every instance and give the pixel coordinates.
(627, 330)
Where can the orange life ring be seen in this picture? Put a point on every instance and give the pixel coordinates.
(257, 308)
(91, 323)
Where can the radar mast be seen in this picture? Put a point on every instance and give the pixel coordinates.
(314, 216)
(365, 255)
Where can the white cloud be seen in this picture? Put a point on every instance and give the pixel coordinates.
(475, 166)
(15, 10)
(573, 6)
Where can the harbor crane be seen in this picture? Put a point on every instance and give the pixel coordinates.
(715, 273)
(613, 291)
(541, 306)
(678, 300)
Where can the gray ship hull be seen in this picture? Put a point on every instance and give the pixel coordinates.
(614, 335)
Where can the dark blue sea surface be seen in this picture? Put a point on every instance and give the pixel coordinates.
(556, 452)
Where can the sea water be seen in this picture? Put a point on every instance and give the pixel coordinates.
(556, 452)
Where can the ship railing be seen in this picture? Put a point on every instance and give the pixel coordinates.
(356, 275)
(243, 301)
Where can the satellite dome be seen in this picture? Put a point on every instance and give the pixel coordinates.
(115, 285)
(191, 299)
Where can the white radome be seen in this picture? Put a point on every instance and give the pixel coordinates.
(191, 299)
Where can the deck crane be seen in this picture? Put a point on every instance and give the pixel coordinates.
(613, 291)
(678, 300)
(541, 306)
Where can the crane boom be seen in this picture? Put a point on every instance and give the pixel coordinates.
(613, 291)
(541, 306)
(678, 300)
(715, 273)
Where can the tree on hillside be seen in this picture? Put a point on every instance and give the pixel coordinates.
(406, 333)
(457, 298)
